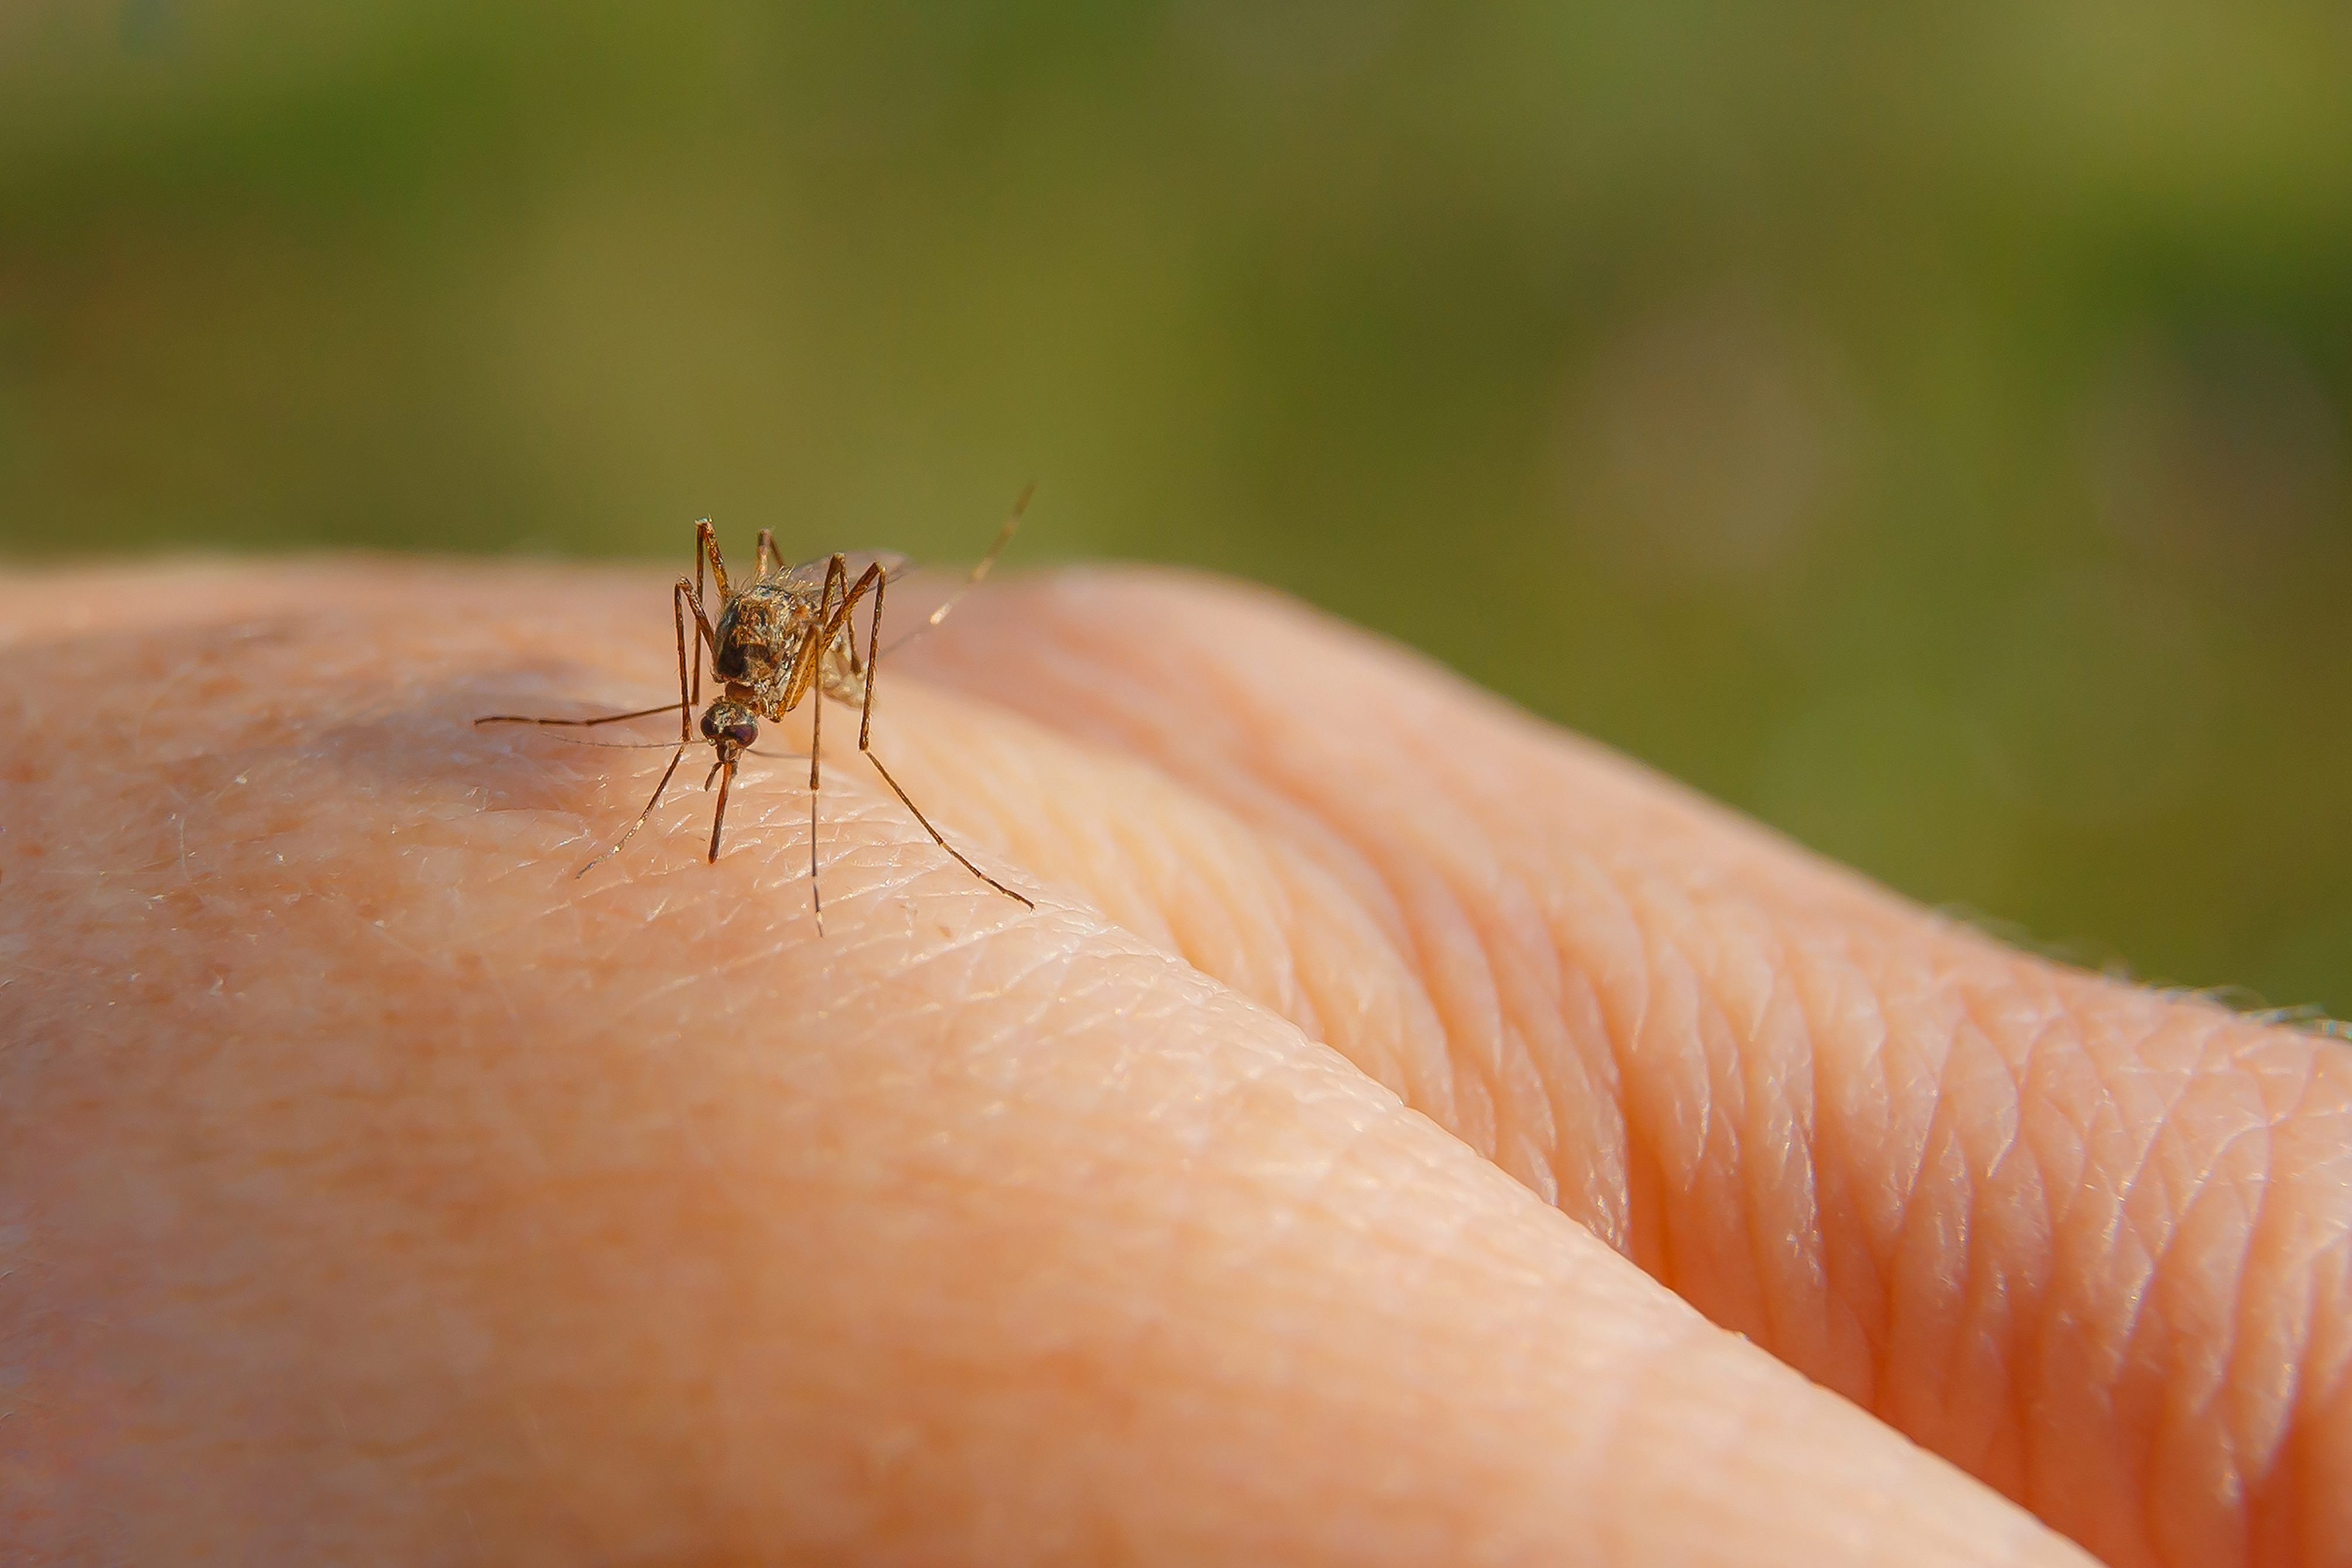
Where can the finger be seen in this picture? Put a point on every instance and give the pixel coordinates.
(2089, 1242)
(382, 1193)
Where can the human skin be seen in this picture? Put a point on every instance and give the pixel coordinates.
(1341, 1161)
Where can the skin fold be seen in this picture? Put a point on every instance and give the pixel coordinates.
(1401, 1132)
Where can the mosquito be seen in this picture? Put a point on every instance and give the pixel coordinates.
(783, 636)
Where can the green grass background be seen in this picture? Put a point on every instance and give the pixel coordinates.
(1921, 425)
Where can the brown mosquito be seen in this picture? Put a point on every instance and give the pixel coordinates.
(785, 634)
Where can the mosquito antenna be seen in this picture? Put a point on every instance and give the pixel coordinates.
(1004, 537)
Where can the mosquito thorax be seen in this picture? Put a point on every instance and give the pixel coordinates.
(730, 726)
(758, 631)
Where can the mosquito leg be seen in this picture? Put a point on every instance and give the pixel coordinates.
(866, 745)
(631, 832)
(706, 638)
(808, 658)
(817, 734)
(869, 580)
(832, 625)
(899, 790)
(706, 549)
(686, 698)
(677, 603)
(857, 666)
(837, 574)
(839, 623)
(872, 668)
(767, 556)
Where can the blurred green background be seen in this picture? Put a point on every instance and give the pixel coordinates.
(1923, 426)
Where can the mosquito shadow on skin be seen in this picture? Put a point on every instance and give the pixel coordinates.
(415, 747)
(198, 704)
(428, 741)
(218, 748)
(409, 760)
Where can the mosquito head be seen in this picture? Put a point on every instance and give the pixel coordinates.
(729, 726)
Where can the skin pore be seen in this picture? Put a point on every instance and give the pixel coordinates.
(1342, 1163)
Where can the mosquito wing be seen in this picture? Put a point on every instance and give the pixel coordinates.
(811, 573)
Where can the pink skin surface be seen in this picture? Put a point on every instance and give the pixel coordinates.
(1342, 1164)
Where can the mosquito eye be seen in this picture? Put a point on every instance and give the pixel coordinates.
(716, 726)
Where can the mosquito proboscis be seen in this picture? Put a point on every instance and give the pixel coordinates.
(786, 635)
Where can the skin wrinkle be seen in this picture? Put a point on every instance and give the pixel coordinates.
(1580, 1142)
(1477, 903)
(2263, 1421)
(2297, 1376)
(1385, 1026)
(2254, 1434)
(1699, 1127)
(2030, 1353)
(2210, 1181)
(1937, 1233)
(1992, 1261)
(1510, 1067)
(1648, 1177)
(2089, 1241)
(1471, 1083)
(2260, 1421)
(2148, 1240)
(1446, 951)
(1690, 1113)
(1858, 1092)
(1521, 985)
(2182, 1230)
(1748, 1297)
(1222, 948)
(1124, 712)
(1526, 1023)
(1211, 936)
(1798, 1070)
(1782, 1131)
(1604, 1194)
(1971, 1070)
(1419, 1039)
(1636, 1222)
